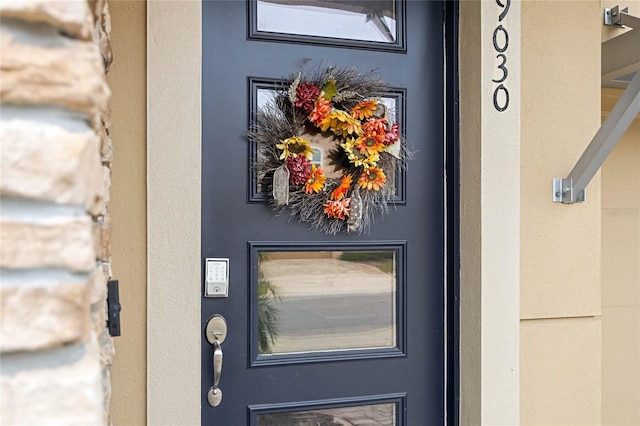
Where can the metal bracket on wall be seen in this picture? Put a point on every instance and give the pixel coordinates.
(617, 17)
(573, 188)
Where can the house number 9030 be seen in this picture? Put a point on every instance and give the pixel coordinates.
(501, 44)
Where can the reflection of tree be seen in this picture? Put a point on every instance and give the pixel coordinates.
(268, 313)
(383, 260)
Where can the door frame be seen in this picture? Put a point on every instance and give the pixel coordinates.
(174, 328)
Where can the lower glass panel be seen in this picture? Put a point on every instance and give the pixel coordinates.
(312, 301)
(370, 415)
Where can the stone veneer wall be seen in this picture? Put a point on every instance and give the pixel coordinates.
(55, 169)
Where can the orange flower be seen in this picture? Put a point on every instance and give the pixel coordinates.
(321, 110)
(375, 128)
(341, 191)
(364, 109)
(316, 180)
(338, 209)
(372, 179)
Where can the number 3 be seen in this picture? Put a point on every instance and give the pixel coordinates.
(501, 67)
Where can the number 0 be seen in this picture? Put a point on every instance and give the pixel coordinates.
(495, 39)
(506, 98)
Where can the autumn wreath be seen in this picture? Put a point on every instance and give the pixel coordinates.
(330, 148)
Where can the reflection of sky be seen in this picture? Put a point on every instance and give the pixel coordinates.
(265, 97)
(319, 21)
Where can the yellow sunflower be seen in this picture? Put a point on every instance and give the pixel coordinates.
(372, 179)
(316, 180)
(364, 109)
(341, 123)
(357, 158)
(370, 145)
(294, 146)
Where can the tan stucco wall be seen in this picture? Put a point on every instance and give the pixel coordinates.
(560, 244)
(173, 185)
(621, 276)
(471, 219)
(490, 219)
(128, 207)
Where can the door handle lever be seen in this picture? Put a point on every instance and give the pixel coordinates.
(217, 364)
(216, 333)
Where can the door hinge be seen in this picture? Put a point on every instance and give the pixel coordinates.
(113, 308)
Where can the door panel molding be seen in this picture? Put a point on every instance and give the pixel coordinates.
(398, 246)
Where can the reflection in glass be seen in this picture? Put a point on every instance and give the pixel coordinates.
(370, 415)
(370, 20)
(265, 98)
(326, 301)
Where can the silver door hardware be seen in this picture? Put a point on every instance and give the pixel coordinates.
(216, 277)
(216, 329)
(216, 332)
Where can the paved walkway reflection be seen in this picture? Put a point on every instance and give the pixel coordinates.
(331, 304)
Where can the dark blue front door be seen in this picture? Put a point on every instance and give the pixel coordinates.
(324, 329)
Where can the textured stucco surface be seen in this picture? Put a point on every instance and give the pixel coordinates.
(560, 244)
(128, 207)
(489, 219)
(173, 185)
(560, 365)
(621, 276)
(560, 247)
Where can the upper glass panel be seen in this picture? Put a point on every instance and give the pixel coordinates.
(359, 23)
(264, 95)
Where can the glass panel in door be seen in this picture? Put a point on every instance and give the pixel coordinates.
(318, 301)
(359, 23)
